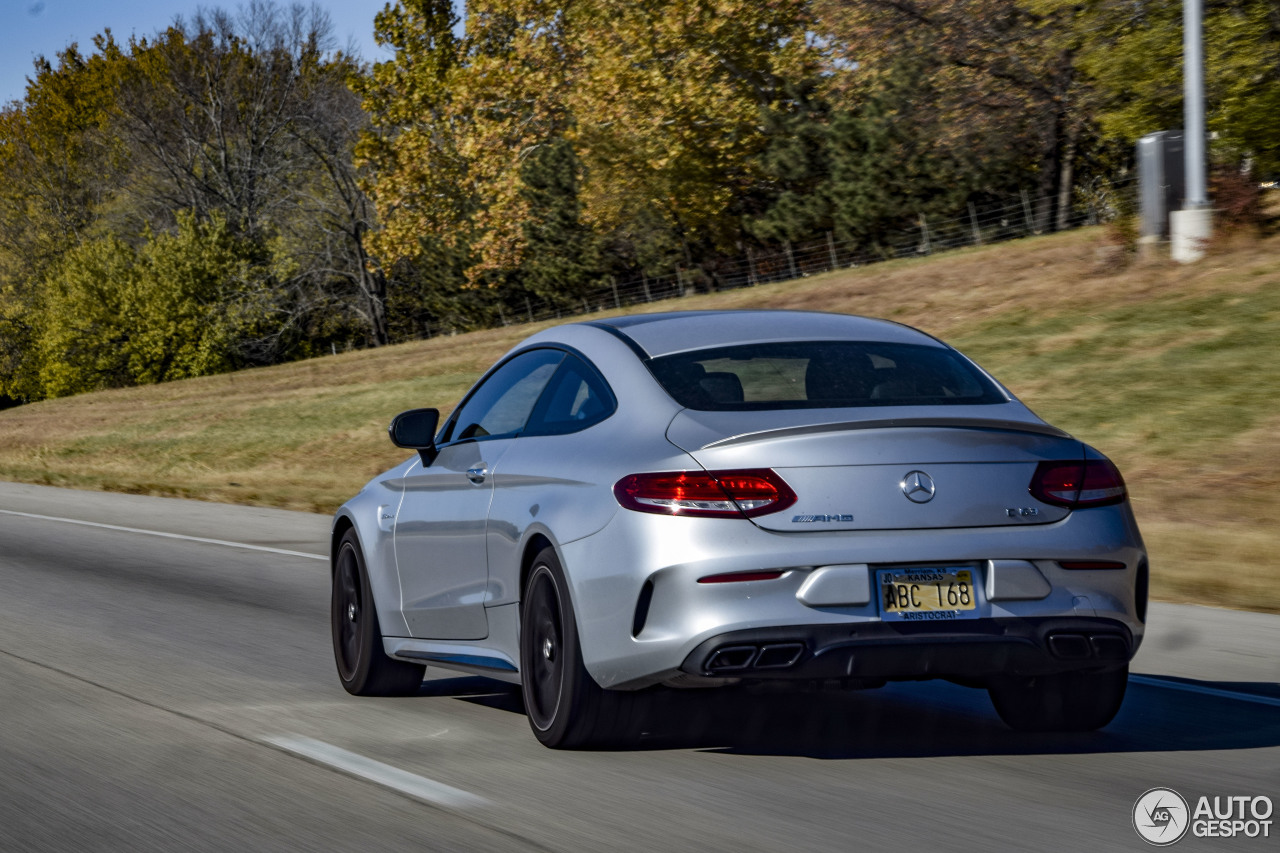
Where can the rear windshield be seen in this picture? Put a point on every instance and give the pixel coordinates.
(821, 374)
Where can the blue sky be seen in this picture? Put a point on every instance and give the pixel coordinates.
(33, 27)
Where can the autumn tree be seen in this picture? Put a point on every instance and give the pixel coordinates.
(668, 105)
(243, 124)
(416, 175)
(1000, 83)
(59, 164)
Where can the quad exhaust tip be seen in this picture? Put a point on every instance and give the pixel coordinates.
(1067, 646)
(751, 657)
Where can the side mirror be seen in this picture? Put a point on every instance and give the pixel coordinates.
(416, 430)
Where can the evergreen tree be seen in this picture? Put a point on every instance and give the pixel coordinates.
(562, 256)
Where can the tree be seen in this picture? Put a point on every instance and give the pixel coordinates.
(185, 304)
(1132, 54)
(659, 102)
(1000, 83)
(241, 124)
(562, 256)
(668, 104)
(415, 173)
(59, 163)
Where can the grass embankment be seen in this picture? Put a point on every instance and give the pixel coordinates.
(1172, 371)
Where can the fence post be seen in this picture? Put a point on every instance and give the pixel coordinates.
(679, 281)
(831, 247)
(973, 218)
(528, 308)
(1026, 208)
(502, 316)
(924, 231)
(751, 267)
(791, 259)
(613, 282)
(644, 281)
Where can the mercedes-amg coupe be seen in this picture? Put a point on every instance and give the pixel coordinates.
(719, 498)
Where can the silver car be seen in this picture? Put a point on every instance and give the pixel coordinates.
(718, 498)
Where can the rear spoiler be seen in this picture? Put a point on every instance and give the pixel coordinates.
(894, 423)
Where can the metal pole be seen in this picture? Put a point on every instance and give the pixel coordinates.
(1193, 101)
(1191, 228)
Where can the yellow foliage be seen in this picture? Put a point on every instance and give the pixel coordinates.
(661, 100)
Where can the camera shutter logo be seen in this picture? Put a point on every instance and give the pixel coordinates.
(1161, 816)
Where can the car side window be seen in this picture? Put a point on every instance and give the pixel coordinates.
(503, 402)
(577, 397)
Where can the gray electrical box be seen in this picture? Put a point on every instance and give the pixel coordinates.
(1162, 182)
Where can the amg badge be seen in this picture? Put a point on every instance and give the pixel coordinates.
(810, 519)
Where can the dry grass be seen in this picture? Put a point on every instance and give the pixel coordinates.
(1170, 370)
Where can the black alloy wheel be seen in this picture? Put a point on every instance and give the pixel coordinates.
(566, 707)
(363, 667)
(544, 663)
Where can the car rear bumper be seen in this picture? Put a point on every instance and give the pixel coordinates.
(642, 611)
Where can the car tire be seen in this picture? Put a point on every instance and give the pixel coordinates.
(1062, 702)
(363, 667)
(567, 709)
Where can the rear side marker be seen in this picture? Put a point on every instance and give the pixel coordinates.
(1085, 565)
(739, 577)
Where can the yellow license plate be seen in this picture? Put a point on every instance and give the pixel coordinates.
(920, 594)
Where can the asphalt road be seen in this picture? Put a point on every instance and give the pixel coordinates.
(159, 692)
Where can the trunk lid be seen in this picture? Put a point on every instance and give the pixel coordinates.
(856, 469)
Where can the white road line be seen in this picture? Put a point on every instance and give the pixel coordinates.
(1205, 691)
(418, 787)
(167, 535)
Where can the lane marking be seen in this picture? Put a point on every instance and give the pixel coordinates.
(166, 535)
(1205, 691)
(418, 787)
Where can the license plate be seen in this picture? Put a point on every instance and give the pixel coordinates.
(923, 594)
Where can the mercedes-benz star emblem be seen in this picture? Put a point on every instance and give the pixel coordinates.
(918, 487)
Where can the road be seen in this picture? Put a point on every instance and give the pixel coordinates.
(177, 692)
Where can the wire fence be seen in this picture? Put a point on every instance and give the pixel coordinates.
(1009, 219)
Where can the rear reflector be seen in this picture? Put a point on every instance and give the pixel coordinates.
(738, 577)
(1075, 484)
(706, 494)
(1091, 564)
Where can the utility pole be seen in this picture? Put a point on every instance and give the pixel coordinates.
(1191, 227)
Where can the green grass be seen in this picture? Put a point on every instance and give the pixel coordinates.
(1177, 375)
(1172, 371)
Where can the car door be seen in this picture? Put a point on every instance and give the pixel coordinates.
(439, 534)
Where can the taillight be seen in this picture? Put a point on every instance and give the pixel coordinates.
(706, 494)
(1084, 483)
